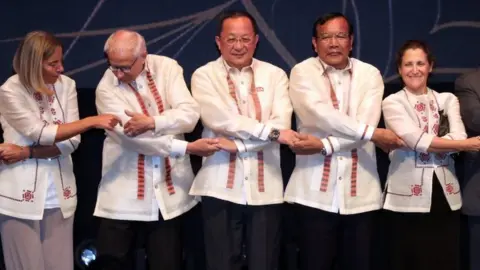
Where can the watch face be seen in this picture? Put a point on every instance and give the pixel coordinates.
(274, 134)
(324, 152)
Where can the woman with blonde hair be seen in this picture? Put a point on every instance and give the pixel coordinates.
(423, 194)
(39, 117)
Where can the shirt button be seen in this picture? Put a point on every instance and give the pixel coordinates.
(157, 186)
(243, 101)
(156, 166)
(341, 158)
(241, 82)
(339, 178)
(246, 178)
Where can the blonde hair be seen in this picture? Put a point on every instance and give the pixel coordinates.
(36, 47)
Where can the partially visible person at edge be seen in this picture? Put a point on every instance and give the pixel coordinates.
(467, 89)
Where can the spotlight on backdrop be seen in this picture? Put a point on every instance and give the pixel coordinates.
(85, 254)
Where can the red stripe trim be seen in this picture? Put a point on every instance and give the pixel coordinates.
(258, 116)
(354, 154)
(168, 167)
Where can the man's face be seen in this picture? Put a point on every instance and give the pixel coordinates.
(333, 43)
(125, 65)
(237, 42)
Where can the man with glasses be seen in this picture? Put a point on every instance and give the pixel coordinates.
(146, 168)
(335, 186)
(244, 102)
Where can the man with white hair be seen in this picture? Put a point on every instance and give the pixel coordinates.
(146, 172)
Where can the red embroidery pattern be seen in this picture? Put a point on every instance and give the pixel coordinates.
(67, 193)
(39, 98)
(416, 190)
(420, 107)
(449, 189)
(258, 117)
(141, 158)
(28, 195)
(328, 159)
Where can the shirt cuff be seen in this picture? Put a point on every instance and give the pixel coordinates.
(160, 121)
(179, 148)
(335, 144)
(242, 148)
(424, 143)
(364, 132)
(369, 133)
(328, 146)
(48, 134)
(263, 131)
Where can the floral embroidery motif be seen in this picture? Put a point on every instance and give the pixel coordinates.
(428, 119)
(67, 193)
(449, 189)
(420, 107)
(41, 106)
(28, 195)
(424, 157)
(416, 190)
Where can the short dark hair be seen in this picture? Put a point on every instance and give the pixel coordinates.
(414, 44)
(235, 14)
(328, 17)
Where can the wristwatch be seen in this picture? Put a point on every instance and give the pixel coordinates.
(274, 134)
(323, 151)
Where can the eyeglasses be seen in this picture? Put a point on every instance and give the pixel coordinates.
(341, 36)
(124, 69)
(246, 40)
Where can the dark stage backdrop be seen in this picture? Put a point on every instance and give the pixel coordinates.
(185, 30)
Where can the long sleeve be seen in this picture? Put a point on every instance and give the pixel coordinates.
(314, 107)
(456, 127)
(67, 147)
(397, 119)
(184, 112)
(469, 104)
(16, 110)
(280, 116)
(369, 113)
(166, 145)
(221, 118)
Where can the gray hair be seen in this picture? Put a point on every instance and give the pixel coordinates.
(125, 40)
